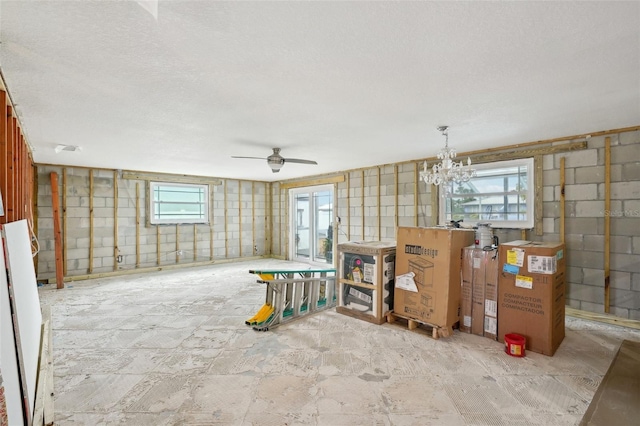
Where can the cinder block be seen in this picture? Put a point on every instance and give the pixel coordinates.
(574, 275)
(618, 244)
(625, 154)
(579, 192)
(589, 208)
(624, 298)
(625, 190)
(619, 312)
(585, 293)
(548, 193)
(636, 245)
(580, 225)
(583, 158)
(586, 259)
(625, 262)
(590, 174)
(620, 280)
(629, 138)
(548, 162)
(625, 226)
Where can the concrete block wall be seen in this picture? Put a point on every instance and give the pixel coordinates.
(585, 222)
(244, 235)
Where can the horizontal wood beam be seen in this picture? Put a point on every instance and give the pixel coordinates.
(312, 182)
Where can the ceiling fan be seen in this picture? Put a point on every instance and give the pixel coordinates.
(276, 161)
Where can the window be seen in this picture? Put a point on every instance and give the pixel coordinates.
(312, 239)
(502, 194)
(178, 203)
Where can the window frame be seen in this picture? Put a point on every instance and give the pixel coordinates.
(178, 221)
(530, 201)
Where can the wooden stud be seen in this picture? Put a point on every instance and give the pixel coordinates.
(348, 206)
(607, 224)
(379, 222)
(286, 226)
(523, 234)
(195, 242)
(562, 198)
(65, 234)
(56, 229)
(416, 178)
(396, 197)
(254, 248)
(226, 233)
(268, 188)
(362, 204)
(312, 182)
(280, 233)
(211, 223)
(4, 166)
(607, 319)
(15, 209)
(240, 217)
(435, 206)
(116, 250)
(158, 245)
(8, 195)
(178, 243)
(537, 165)
(137, 224)
(91, 219)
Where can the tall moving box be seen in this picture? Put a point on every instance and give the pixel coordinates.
(479, 300)
(434, 256)
(531, 293)
(366, 279)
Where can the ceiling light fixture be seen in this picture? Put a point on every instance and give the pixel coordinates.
(447, 170)
(71, 148)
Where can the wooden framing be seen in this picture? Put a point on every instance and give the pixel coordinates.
(416, 179)
(178, 253)
(348, 206)
(91, 219)
(607, 224)
(195, 242)
(396, 219)
(362, 185)
(378, 215)
(64, 222)
(116, 250)
(226, 244)
(240, 217)
(538, 206)
(562, 198)
(253, 218)
(157, 245)
(55, 202)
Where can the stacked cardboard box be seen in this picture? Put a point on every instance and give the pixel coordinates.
(479, 300)
(366, 279)
(531, 293)
(434, 256)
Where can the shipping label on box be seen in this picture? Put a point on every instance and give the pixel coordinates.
(542, 264)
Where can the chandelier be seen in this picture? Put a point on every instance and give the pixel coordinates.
(447, 170)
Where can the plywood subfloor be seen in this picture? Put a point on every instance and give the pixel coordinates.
(171, 348)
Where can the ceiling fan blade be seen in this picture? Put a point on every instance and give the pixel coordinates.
(299, 161)
(255, 158)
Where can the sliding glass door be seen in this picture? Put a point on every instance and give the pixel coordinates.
(311, 213)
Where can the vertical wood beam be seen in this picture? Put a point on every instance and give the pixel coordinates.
(91, 219)
(268, 217)
(8, 195)
(416, 176)
(253, 218)
(362, 205)
(348, 206)
(195, 242)
(65, 228)
(537, 165)
(280, 233)
(137, 224)
(226, 233)
(435, 206)
(15, 208)
(379, 221)
(55, 202)
(4, 166)
(116, 250)
(240, 216)
(158, 245)
(211, 223)
(177, 243)
(607, 224)
(286, 224)
(396, 198)
(562, 198)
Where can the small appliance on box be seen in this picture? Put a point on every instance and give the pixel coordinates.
(366, 279)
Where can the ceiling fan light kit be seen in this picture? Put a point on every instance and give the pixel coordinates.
(275, 161)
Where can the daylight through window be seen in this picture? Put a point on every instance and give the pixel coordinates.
(502, 194)
(179, 203)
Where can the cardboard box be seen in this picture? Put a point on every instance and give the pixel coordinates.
(366, 279)
(434, 256)
(531, 293)
(479, 299)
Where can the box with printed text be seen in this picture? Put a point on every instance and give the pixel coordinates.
(531, 293)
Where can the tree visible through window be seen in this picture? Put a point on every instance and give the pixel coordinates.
(178, 203)
(502, 194)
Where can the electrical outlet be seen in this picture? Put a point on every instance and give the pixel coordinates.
(119, 258)
(179, 253)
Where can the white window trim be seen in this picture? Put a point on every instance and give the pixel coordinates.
(530, 200)
(154, 221)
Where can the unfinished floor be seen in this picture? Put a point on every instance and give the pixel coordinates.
(171, 348)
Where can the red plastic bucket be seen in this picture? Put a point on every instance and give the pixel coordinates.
(514, 344)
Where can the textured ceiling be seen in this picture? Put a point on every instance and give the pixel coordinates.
(181, 86)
